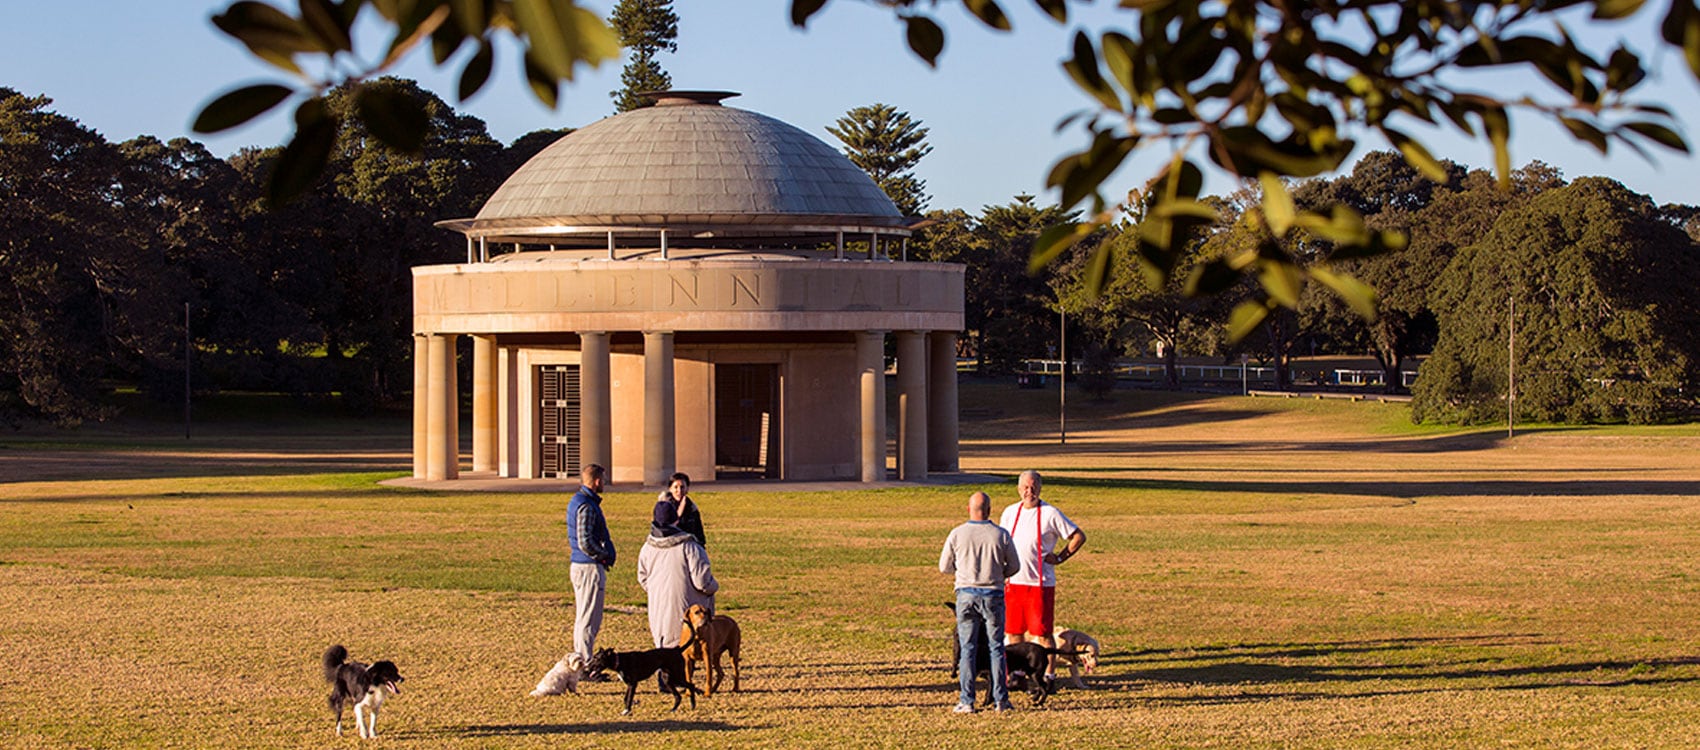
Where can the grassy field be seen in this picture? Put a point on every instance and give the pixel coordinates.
(1262, 573)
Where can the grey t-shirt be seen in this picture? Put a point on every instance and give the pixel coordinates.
(981, 554)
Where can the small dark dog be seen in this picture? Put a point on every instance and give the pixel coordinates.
(635, 666)
(361, 685)
(1025, 664)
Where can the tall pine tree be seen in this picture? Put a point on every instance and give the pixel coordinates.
(887, 144)
(646, 28)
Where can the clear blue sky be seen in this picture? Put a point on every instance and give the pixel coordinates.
(134, 67)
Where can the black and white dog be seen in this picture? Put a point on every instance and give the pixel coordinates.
(361, 685)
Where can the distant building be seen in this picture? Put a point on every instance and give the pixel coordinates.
(687, 287)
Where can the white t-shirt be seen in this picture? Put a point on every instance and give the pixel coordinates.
(1023, 524)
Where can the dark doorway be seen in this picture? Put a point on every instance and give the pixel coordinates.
(558, 410)
(746, 421)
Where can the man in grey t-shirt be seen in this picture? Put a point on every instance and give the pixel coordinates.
(981, 555)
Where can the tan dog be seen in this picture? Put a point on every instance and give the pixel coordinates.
(716, 636)
(1084, 650)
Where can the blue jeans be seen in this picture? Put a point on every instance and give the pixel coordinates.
(981, 610)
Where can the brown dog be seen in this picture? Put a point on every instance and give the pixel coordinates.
(1081, 652)
(716, 636)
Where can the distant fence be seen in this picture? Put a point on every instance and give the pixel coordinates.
(1145, 372)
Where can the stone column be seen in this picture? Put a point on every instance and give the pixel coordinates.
(509, 400)
(870, 368)
(484, 403)
(911, 405)
(421, 403)
(451, 405)
(442, 426)
(660, 454)
(595, 398)
(942, 436)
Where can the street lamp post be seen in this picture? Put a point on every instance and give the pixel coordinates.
(1511, 372)
(1062, 379)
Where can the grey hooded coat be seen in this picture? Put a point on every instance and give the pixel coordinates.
(673, 569)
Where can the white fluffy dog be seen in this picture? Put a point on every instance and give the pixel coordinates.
(563, 677)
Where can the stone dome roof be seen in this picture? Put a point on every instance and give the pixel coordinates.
(687, 163)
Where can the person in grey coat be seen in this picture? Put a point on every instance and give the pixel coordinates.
(980, 554)
(673, 569)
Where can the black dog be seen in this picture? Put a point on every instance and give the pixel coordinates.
(635, 666)
(363, 686)
(1025, 663)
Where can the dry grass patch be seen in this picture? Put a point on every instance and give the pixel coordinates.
(1261, 574)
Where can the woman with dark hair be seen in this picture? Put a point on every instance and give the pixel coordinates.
(673, 507)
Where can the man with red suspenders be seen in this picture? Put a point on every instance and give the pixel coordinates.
(1030, 595)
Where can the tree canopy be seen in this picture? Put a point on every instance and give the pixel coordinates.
(1265, 89)
(105, 246)
(646, 28)
(1599, 287)
(887, 144)
(1270, 90)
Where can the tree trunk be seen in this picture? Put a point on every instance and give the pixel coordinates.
(1278, 350)
(1171, 373)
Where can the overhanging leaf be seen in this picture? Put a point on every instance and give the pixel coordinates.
(1659, 134)
(1098, 270)
(470, 16)
(561, 35)
(1416, 155)
(261, 26)
(1278, 208)
(1342, 226)
(476, 72)
(396, 119)
(1284, 281)
(1606, 10)
(925, 37)
(1083, 68)
(239, 106)
(1053, 241)
(1244, 319)
(1210, 278)
(1119, 55)
(989, 13)
(1585, 132)
(303, 160)
(1498, 129)
(801, 10)
(543, 86)
(1359, 296)
(324, 23)
(1056, 9)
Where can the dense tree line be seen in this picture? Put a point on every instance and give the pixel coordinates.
(107, 246)
(1599, 275)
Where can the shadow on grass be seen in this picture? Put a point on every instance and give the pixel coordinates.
(1405, 490)
(1462, 443)
(1326, 648)
(1252, 665)
(1032, 426)
(307, 494)
(597, 727)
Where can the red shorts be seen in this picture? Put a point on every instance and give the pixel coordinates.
(1029, 609)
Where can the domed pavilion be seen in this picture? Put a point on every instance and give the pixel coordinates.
(687, 287)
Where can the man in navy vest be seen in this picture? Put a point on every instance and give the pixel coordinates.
(593, 555)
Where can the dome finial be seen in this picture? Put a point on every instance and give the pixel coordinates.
(677, 98)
